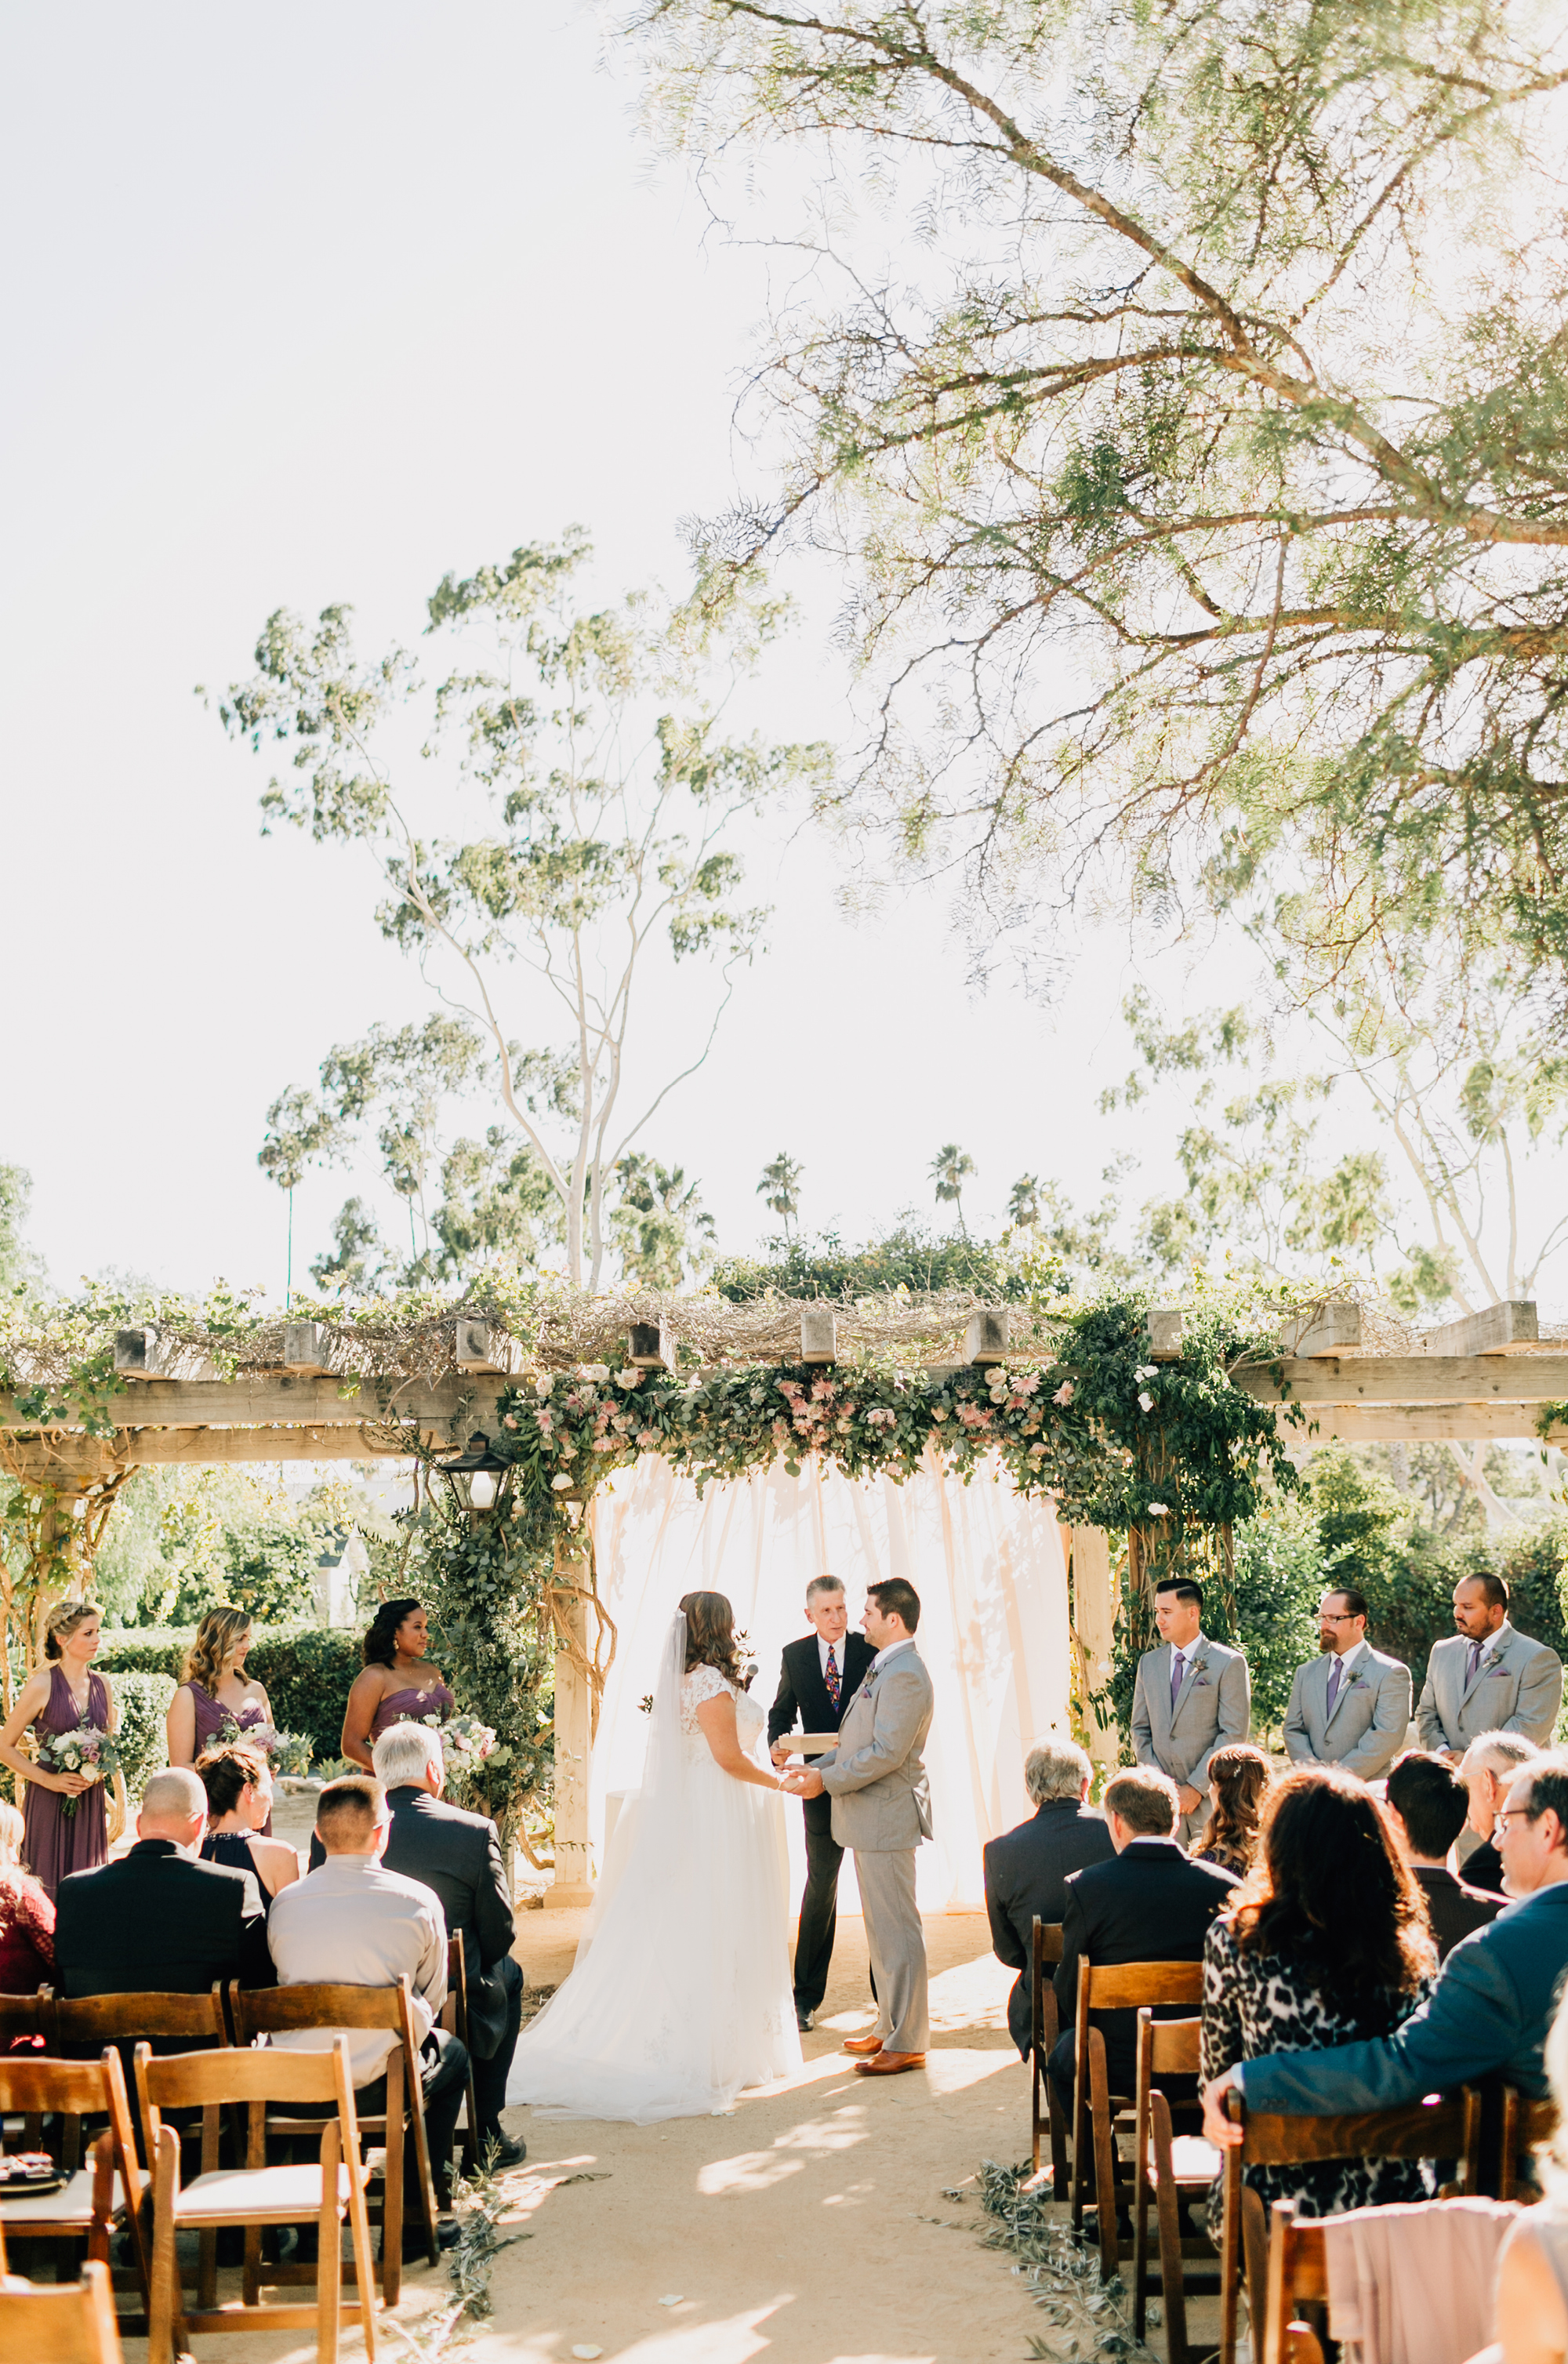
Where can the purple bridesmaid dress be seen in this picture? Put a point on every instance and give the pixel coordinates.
(437, 1701)
(211, 1717)
(55, 1843)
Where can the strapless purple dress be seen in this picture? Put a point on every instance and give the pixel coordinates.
(211, 1717)
(396, 1705)
(55, 1843)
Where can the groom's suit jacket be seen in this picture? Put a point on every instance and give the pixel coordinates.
(876, 1775)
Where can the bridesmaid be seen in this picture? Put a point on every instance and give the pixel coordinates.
(398, 1680)
(214, 1688)
(66, 1692)
(239, 1785)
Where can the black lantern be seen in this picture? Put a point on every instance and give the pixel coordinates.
(477, 1476)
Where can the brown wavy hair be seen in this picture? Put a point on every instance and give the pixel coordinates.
(1241, 1774)
(710, 1634)
(63, 1621)
(1329, 1893)
(217, 1637)
(226, 1772)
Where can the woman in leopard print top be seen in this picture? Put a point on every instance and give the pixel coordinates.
(1326, 1943)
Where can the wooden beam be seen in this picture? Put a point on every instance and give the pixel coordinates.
(819, 1335)
(1165, 1327)
(272, 1397)
(1412, 1379)
(985, 1340)
(74, 1460)
(486, 1346)
(1334, 1329)
(1467, 1423)
(149, 1354)
(650, 1347)
(306, 1350)
(1513, 1328)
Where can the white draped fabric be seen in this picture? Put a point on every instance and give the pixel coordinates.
(988, 1564)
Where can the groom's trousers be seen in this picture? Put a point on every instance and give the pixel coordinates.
(896, 1944)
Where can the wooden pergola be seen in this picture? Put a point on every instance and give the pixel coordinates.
(1485, 1376)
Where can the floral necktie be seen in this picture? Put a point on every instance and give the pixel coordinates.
(832, 1679)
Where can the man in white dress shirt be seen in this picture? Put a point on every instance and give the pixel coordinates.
(1191, 1696)
(1350, 1705)
(353, 1922)
(1487, 1676)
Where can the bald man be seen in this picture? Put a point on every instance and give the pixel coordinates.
(161, 1920)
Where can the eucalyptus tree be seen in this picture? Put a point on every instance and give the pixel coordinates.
(598, 802)
(1185, 386)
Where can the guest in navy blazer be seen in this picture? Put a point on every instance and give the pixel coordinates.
(820, 1676)
(1026, 1869)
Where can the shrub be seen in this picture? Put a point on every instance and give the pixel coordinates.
(307, 1671)
(143, 1698)
(1279, 1576)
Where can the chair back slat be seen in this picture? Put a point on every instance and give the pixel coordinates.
(1172, 2045)
(70, 2323)
(1435, 2129)
(182, 2080)
(26, 2014)
(1527, 2125)
(278, 2010)
(1047, 1942)
(148, 2018)
(1122, 1986)
(34, 2081)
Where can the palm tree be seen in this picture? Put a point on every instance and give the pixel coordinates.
(949, 1168)
(1023, 1202)
(781, 1183)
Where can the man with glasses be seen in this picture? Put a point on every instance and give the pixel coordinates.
(1490, 2009)
(1350, 1705)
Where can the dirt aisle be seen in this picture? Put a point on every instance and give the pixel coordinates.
(799, 2226)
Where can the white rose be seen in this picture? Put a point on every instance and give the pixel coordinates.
(1145, 1401)
(561, 1484)
(543, 1384)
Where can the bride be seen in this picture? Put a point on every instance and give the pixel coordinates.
(680, 1992)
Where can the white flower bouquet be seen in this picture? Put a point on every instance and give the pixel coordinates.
(86, 1750)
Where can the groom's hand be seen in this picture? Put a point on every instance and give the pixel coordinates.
(808, 1783)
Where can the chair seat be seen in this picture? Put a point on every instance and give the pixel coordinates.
(257, 2195)
(1193, 2161)
(71, 2205)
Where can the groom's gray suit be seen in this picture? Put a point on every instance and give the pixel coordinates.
(882, 1808)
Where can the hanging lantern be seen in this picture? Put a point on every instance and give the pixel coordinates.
(477, 1476)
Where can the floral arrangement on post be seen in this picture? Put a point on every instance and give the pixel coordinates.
(83, 1750)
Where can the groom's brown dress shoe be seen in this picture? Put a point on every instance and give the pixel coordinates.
(890, 2064)
(862, 2043)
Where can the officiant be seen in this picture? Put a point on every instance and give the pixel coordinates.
(820, 1676)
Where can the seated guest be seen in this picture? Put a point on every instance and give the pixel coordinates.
(1532, 2276)
(1326, 1941)
(160, 1920)
(1239, 1777)
(27, 1916)
(1427, 1806)
(1490, 2008)
(1025, 1870)
(353, 1922)
(459, 1856)
(1488, 1767)
(238, 1786)
(1152, 1903)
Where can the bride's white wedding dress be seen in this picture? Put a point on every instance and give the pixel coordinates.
(680, 1993)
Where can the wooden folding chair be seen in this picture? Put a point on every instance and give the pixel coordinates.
(1174, 2168)
(28, 2015)
(69, 2323)
(1441, 2126)
(96, 2199)
(1120, 1986)
(256, 2194)
(275, 2011)
(1045, 1952)
(454, 2019)
(1527, 2125)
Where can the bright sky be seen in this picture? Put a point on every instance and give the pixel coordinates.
(316, 304)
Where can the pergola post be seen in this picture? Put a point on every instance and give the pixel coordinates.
(572, 1883)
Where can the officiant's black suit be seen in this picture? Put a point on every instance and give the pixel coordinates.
(803, 1699)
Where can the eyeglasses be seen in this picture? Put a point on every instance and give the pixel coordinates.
(1515, 1814)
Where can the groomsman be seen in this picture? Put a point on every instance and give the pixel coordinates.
(1192, 1695)
(1487, 1678)
(820, 1675)
(1350, 1705)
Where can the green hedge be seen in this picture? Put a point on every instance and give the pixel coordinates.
(143, 1735)
(307, 1671)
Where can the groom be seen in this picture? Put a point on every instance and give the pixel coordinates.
(819, 1680)
(882, 1809)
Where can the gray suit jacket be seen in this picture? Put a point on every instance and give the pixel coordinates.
(1214, 1705)
(1372, 1714)
(876, 1776)
(1518, 1688)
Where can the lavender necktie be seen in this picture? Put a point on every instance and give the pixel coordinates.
(1474, 1662)
(1176, 1672)
(1335, 1671)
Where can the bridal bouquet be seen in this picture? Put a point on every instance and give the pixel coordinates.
(289, 1752)
(84, 1750)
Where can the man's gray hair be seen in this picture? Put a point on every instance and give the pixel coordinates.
(403, 1752)
(1057, 1768)
(823, 1584)
(174, 1795)
(1499, 1752)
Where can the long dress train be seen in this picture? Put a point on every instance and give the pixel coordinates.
(680, 1993)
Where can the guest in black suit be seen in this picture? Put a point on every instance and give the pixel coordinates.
(459, 1856)
(1426, 1805)
(160, 1921)
(1025, 1870)
(1152, 1904)
(820, 1675)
